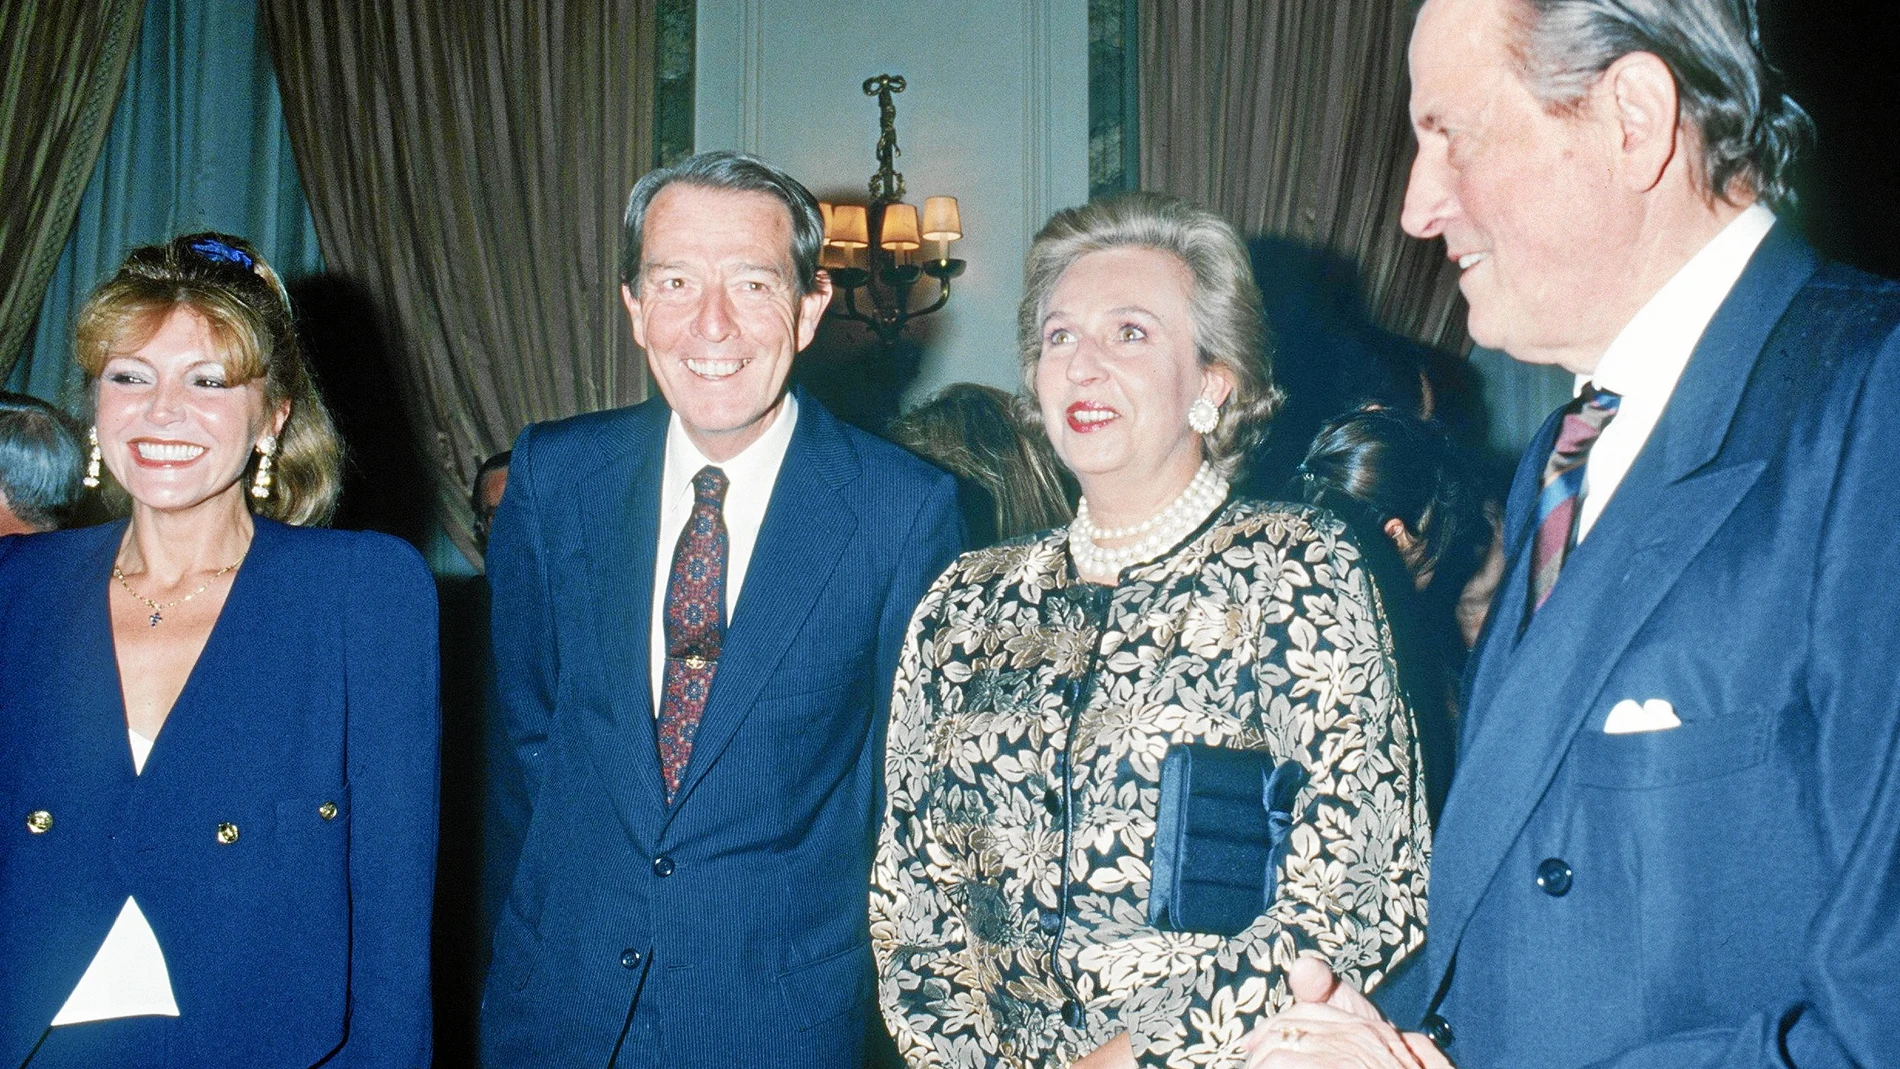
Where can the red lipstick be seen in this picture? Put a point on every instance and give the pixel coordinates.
(1104, 416)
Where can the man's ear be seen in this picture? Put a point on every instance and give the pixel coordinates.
(811, 308)
(1641, 94)
(633, 315)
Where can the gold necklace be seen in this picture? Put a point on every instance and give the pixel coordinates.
(158, 608)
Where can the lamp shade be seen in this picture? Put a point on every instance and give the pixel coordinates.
(824, 211)
(899, 233)
(941, 222)
(848, 229)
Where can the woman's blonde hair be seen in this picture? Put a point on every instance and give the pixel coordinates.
(246, 309)
(1229, 328)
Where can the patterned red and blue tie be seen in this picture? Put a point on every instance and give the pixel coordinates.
(695, 624)
(1584, 420)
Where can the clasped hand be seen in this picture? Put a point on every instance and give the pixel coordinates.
(1332, 1026)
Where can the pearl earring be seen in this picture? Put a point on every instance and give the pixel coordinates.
(1203, 416)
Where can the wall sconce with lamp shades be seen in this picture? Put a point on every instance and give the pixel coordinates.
(891, 236)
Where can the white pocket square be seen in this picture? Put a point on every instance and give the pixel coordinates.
(1629, 718)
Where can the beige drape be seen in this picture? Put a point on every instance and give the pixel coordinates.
(467, 164)
(61, 66)
(1289, 118)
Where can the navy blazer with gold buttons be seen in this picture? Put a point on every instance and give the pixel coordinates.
(281, 839)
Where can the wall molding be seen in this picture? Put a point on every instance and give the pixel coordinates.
(752, 75)
(1040, 122)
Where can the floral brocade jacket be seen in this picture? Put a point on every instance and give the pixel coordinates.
(1262, 631)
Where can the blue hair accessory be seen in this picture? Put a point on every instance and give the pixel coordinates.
(213, 249)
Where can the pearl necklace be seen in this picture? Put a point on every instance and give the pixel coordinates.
(1196, 502)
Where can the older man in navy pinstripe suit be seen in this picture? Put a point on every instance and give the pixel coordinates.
(1671, 839)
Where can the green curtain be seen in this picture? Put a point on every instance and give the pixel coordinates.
(1289, 118)
(62, 64)
(468, 164)
(197, 143)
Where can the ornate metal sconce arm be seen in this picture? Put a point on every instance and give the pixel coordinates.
(887, 185)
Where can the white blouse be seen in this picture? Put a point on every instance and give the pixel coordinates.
(127, 978)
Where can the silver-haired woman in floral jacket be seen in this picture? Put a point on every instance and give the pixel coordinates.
(1045, 680)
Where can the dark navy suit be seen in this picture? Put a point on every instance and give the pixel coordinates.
(1726, 892)
(728, 929)
(317, 688)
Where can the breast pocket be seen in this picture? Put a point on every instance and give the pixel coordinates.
(1693, 751)
(794, 679)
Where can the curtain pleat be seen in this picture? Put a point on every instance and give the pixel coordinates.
(62, 64)
(1289, 118)
(196, 143)
(467, 164)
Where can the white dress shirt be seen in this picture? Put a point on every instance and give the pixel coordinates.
(750, 477)
(1647, 357)
(127, 977)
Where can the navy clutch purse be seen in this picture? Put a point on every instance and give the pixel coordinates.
(1219, 837)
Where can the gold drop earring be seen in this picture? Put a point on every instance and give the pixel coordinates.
(92, 462)
(260, 484)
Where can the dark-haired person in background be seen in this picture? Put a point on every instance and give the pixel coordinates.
(698, 606)
(218, 768)
(40, 465)
(1009, 482)
(1412, 503)
(1671, 839)
(481, 832)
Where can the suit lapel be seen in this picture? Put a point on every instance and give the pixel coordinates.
(1501, 626)
(211, 720)
(620, 536)
(807, 525)
(1532, 694)
(79, 652)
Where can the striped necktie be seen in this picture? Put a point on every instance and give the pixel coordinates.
(1584, 420)
(695, 624)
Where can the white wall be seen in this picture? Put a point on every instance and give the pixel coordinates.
(995, 114)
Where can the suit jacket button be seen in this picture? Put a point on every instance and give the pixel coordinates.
(1553, 877)
(629, 959)
(39, 822)
(227, 833)
(327, 810)
(1436, 1029)
(662, 866)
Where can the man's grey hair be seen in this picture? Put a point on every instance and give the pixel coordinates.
(40, 461)
(1750, 130)
(736, 171)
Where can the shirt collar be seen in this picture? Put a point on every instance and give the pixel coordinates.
(755, 463)
(1650, 352)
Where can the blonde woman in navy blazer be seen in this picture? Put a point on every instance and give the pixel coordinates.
(217, 724)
